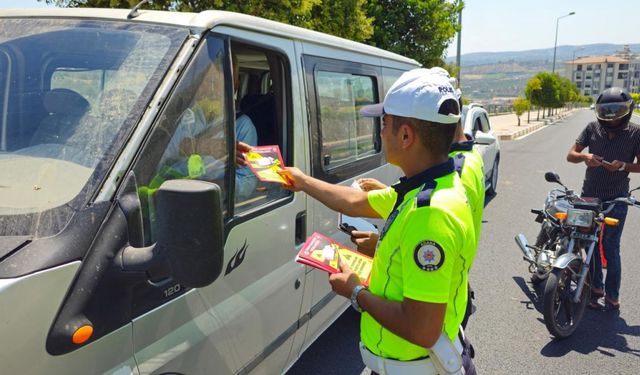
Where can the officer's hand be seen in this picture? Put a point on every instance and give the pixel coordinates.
(343, 282)
(366, 242)
(294, 176)
(241, 148)
(368, 184)
(592, 160)
(614, 166)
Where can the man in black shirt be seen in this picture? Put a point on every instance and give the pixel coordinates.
(614, 144)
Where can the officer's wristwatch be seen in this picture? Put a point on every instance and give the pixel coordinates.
(354, 297)
(622, 167)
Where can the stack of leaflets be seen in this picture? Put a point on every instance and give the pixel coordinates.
(265, 162)
(326, 254)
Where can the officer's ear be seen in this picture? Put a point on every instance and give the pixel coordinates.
(407, 134)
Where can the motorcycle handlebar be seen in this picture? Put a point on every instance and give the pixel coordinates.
(629, 201)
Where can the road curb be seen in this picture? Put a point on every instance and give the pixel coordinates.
(511, 135)
(520, 132)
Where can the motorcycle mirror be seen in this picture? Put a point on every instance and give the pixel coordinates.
(521, 240)
(632, 190)
(552, 177)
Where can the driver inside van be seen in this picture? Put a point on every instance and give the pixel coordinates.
(199, 141)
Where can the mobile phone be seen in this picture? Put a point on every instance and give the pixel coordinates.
(605, 162)
(347, 228)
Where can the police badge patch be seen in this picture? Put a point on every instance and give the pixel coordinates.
(428, 256)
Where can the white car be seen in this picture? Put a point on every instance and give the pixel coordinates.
(476, 123)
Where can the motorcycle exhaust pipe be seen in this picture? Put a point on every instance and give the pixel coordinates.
(521, 240)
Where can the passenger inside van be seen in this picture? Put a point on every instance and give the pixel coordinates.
(199, 138)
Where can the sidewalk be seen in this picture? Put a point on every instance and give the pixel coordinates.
(506, 126)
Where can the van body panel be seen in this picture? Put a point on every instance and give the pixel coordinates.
(182, 336)
(29, 305)
(264, 309)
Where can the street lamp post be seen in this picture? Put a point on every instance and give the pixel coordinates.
(553, 69)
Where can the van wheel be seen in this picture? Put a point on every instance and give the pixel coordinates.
(494, 177)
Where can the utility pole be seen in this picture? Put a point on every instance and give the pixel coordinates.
(459, 48)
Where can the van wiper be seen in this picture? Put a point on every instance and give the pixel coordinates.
(11, 244)
(134, 12)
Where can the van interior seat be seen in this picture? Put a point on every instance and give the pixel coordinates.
(66, 108)
(261, 108)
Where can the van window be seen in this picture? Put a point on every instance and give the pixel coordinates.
(390, 76)
(343, 143)
(485, 123)
(190, 140)
(261, 115)
(346, 136)
(194, 137)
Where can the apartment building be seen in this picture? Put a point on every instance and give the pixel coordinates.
(593, 74)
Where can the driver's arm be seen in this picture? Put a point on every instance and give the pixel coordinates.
(575, 155)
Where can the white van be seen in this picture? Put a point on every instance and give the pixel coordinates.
(129, 241)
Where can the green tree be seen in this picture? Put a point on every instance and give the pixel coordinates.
(344, 18)
(549, 90)
(532, 93)
(420, 29)
(519, 106)
(636, 99)
(568, 92)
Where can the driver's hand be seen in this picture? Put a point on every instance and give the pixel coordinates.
(241, 148)
(614, 166)
(592, 160)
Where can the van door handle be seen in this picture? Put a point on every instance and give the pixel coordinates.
(301, 228)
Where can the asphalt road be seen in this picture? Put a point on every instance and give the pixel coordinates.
(507, 330)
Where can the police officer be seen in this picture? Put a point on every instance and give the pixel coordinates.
(417, 292)
(469, 165)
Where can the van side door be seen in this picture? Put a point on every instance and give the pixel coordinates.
(258, 297)
(245, 320)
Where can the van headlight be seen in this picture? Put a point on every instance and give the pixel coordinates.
(579, 218)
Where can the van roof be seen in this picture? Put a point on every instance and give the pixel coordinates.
(207, 20)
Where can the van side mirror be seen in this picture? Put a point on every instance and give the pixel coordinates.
(484, 139)
(190, 234)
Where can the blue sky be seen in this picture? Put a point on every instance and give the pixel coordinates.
(516, 25)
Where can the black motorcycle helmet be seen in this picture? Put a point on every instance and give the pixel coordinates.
(614, 107)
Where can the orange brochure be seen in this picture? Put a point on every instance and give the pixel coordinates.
(325, 254)
(265, 162)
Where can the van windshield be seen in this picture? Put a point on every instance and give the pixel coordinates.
(70, 92)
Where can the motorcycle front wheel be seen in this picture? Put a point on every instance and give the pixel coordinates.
(561, 315)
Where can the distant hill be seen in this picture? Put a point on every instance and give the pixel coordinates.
(486, 75)
(562, 53)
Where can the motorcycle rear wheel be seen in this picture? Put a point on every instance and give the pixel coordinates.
(561, 315)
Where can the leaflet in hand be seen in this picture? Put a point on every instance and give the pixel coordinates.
(265, 162)
(325, 254)
(347, 223)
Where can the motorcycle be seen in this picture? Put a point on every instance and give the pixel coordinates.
(549, 243)
(564, 249)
